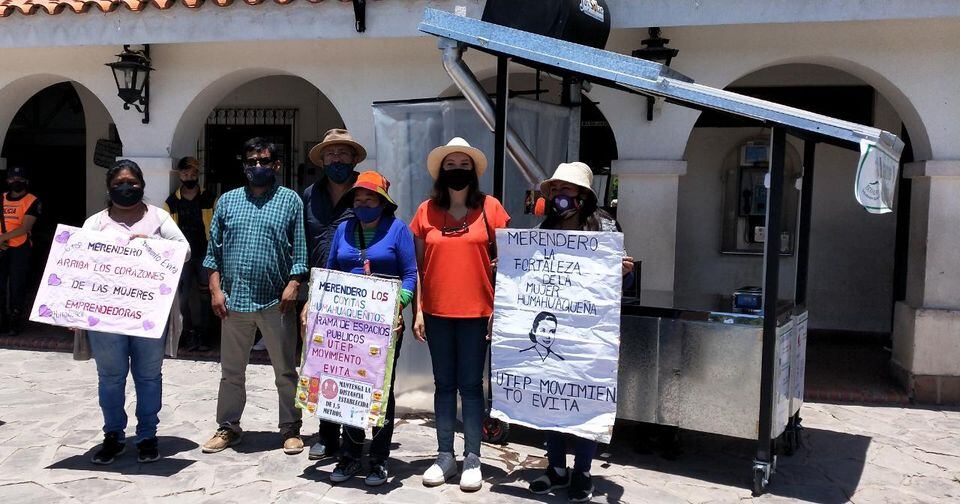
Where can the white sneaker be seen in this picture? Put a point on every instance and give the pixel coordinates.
(260, 345)
(441, 470)
(470, 478)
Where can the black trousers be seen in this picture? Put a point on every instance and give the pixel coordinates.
(14, 271)
(353, 437)
(195, 276)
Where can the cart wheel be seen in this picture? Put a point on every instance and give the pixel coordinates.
(494, 431)
(759, 483)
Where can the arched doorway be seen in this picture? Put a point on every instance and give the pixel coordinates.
(287, 110)
(855, 262)
(48, 137)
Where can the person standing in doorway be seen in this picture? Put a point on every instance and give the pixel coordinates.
(325, 209)
(192, 209)
(20, 212)
(257, 257)
(455, 243)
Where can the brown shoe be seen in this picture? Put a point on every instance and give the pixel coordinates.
(221, 440)
(292, 444)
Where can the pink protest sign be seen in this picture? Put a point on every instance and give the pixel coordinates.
(349, 344)
(103, 281)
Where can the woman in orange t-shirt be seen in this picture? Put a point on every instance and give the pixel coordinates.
(455, 242)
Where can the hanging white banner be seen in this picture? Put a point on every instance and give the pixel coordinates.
(556, 330)
(876, 178)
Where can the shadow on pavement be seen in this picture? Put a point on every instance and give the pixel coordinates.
(826, 469)
(259, 441)
(516, 486)
(399, 470)
(127, 462)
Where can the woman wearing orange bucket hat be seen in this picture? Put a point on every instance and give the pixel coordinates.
(374, 242)
(454, 232)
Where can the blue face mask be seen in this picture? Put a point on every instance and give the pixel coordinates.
(338, 173)
(260, 176)
(367, 214)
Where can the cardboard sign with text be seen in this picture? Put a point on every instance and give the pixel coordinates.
(556, 330)
(349, 347)
(107, 282)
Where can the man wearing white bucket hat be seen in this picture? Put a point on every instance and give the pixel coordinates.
(571, 204)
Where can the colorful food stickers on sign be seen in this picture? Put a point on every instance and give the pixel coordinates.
(556, 330)
(349, 347)
(108, 282)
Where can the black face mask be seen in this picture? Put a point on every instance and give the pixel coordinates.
(189, 184)
(457, 179)
(18, 186)
(126, 194)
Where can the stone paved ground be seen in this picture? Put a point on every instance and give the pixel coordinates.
(49, 423)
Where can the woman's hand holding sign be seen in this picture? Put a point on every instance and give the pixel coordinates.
(627, 265)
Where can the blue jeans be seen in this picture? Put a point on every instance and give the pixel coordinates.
(458, 349)
(583, 451)
(116, 355)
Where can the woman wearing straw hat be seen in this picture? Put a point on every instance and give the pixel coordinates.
(571, 204)
(456, 247)
(373, 242)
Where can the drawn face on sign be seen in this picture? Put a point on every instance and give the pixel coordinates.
(545, 331)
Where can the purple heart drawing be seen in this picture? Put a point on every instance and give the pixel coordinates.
(54, 280)
(92, 321)
(45, 311)
(63, 237)
(168, 254)
(147, 325)
(164, 290)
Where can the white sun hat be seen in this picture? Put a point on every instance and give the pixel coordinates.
(576, 173)
(457, 144)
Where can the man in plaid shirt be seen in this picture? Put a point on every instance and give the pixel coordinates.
(257, 257)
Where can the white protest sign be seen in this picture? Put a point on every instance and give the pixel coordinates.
(349, 350)
(107, 282)
(556, 330)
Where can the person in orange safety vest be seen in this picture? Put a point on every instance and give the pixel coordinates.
(20, 212)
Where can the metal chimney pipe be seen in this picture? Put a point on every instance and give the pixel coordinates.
(473, 92)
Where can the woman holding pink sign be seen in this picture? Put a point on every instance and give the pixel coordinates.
(117, 354)
(375, 242)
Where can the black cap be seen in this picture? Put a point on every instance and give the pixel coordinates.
(17, 171)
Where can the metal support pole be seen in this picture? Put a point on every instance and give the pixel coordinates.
(146, 90)
(500, 129)
(806, 208)
(771, 283)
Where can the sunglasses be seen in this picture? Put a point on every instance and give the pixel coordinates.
(264, 161)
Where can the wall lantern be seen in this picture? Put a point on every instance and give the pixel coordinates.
(131, 72)
(655, 49)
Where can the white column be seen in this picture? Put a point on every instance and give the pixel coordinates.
(926, 333)
(647, 211)
(159, 176)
